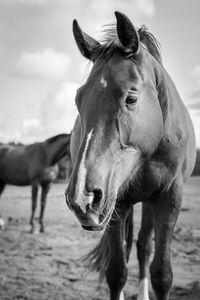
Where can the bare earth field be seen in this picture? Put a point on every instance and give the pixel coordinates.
(47, 266)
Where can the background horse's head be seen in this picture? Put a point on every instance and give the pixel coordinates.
(57, 147)
(120, 116)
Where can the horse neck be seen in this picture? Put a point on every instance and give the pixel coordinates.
(168, 96)
(55, 150)
(163, 89)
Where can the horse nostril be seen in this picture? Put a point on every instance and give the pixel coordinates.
(98, 195)
(72, 205)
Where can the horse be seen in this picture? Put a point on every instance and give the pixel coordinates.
(133, 141)
(34, 164)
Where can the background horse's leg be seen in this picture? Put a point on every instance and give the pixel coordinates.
(166, 210)
(34, 205)
(120, 235)
(2, 187)
(144, 249)
(45, 190)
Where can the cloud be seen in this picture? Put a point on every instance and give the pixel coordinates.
(194, 100)
(58, 111)
(146, 7)
(193, 97)
(34, 122)
(195, 116)
(143, 7)
(140, 7)
(28, 2)
(11, 135)
(195, 73)
(47, 64)
(31, 130)
(57, 115)
(36, 2)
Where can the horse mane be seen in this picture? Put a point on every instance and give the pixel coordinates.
(110, 43)
(148, 39)
(56, 137)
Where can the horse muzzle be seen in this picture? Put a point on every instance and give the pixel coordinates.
(87, 210)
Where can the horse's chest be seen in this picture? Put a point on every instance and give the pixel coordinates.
(156, 176)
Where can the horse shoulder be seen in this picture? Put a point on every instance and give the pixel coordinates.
(173, 159)
(180, 130)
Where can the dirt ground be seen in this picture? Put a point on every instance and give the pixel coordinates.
(47, 266)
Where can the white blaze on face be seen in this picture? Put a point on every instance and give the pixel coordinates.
(83, 200)
(103, 82)
(143, 290)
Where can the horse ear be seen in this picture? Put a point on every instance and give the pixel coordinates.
(127, 33)
(86, 44)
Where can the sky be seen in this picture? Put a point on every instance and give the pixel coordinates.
(41, 67)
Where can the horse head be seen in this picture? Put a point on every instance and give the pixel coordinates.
(120, 121)
(57, 147)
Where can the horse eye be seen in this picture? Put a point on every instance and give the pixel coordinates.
(131, 100)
